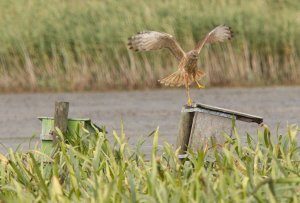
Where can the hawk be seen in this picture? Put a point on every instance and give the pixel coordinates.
(188, 71)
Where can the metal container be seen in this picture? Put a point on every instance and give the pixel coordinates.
(76, 127)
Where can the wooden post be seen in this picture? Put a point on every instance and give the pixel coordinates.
(61, 117)
(185, 126)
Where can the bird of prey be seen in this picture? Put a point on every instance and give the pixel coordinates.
(187, 71)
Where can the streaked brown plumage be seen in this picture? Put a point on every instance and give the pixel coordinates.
(187, 69)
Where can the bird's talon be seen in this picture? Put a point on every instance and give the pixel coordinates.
(189, 103)
(200, 86)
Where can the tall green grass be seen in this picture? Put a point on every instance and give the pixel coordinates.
(81, 45)
(91, 169)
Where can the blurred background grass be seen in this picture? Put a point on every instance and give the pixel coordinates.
(66, 45)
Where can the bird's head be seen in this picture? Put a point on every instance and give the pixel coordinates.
(193, 54)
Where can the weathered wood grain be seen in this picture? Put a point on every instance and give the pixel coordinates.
(207, 130)
(61, 117)
(202, 126)
(185, 125)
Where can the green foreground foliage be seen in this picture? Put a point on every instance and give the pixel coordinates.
(81, 45)
(91, 169)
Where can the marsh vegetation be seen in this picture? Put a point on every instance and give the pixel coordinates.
(92, 169)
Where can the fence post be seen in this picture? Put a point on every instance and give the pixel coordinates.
(60, 118)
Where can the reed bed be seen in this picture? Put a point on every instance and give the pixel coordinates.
(91, 169)
(81, 45)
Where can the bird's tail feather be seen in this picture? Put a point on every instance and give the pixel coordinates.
(177, 78)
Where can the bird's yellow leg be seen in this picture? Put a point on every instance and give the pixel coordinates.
(199, 86)
(189, 102)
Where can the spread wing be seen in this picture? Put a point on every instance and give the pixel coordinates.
(218, 34)
(151, 40)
